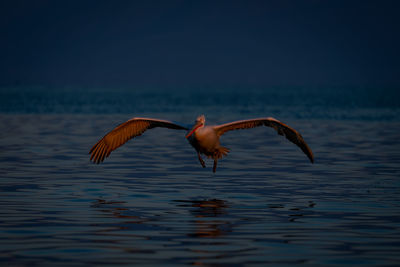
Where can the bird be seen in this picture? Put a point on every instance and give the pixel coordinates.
(205, 139)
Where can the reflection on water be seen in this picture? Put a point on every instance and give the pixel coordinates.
(206, 209)
(152, 204)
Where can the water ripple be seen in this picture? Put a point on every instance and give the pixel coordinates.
(265, 205)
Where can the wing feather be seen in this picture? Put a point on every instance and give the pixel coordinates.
(99, 153)
(282, 129)
(124, 132)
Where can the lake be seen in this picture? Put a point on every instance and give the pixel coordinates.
(151, 202)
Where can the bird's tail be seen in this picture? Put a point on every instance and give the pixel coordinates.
(220, 152)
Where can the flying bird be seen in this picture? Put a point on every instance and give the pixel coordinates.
(204, 138)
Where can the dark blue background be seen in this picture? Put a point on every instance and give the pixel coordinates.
(169, 44)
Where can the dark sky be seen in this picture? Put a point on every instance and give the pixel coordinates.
(199, 43)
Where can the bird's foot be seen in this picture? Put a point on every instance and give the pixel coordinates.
(215, 166)
(201, 160)
(203, 163)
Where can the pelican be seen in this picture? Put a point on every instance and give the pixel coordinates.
(203, 138)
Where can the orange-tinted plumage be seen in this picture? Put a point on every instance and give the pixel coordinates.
(125, 131)
(291, 134)
(204, 139)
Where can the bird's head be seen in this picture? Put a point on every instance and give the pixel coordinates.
(200, 121)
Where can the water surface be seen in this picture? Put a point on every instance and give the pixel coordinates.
(151, 202)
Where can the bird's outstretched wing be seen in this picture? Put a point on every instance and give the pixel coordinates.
(291, 134)
(125, 131)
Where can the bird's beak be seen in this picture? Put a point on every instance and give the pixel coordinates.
(195, 127)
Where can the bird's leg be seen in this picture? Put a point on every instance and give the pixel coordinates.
(215, 165)
(201, 160)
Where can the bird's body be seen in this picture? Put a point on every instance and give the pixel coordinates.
(206, 141)
(203, 138)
